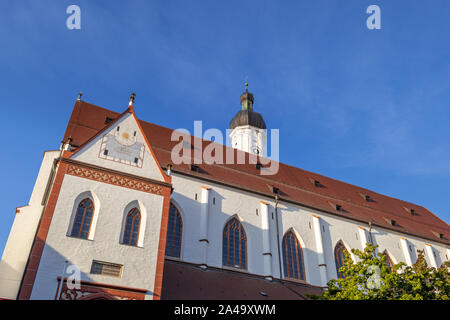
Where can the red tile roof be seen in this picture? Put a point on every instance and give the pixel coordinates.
(185, 281)
(295, 185)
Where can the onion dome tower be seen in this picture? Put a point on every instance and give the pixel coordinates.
(248, 129)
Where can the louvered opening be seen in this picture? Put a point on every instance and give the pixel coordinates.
(106, 269)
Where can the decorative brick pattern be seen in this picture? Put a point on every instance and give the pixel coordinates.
(115, 179)
(94, 291)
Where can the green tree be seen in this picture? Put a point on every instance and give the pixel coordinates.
(370, 278)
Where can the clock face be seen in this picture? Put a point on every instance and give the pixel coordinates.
(122, 147)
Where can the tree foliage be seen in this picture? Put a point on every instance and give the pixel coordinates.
(370, 278)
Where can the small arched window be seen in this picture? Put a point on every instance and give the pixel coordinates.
(174, 233)
(83, 219)
(339, 257)
(388, 262)
(293, 257)
(132, 225)
(234, 245)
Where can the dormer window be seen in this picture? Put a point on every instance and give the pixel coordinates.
(438, 235)
(316, 183)
(337, 207)
(108, 120)
(391, 222)
(410, 211)
(274, 189)
(366, 197)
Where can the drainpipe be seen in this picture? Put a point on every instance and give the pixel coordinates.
(278, 236)
(279, 253)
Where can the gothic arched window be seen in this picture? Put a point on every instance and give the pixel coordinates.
(174, 233)
(132, 225)
(234, 245)
(293, 257)
(83, 219)
(388, 262)
(339, 257)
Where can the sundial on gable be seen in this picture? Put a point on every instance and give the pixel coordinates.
(122, 147)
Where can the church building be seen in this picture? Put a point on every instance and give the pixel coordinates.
(112, 207)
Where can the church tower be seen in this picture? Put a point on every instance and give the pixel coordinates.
(248, 129)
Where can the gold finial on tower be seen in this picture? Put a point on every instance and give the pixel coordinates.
(79, 96)
(247, 98)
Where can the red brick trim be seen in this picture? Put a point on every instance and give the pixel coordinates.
(161, 247)
(41, 235)
(166, 178)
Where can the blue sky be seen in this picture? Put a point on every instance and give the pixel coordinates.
(369, 107)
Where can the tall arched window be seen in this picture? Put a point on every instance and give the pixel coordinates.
(132, 225)
(174, 233)
(234, 245)
(388, 260)
(293, 257)
(83, 219)
(339, 257)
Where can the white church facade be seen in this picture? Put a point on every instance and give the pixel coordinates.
(111, 203)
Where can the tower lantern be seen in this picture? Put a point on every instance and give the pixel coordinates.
(248, 127)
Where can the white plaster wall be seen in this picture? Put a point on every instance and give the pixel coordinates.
(90, 152)
(20, 240)
(227, 204)
(231, 201)
(390, 241)
(139, 263)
